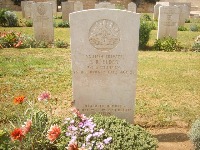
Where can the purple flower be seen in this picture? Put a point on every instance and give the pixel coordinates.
(67, 120)
(108, 140)
(100, 146)
(72, 121)
(101, 131)
(68, 134)
(88, 137)
(73, 140)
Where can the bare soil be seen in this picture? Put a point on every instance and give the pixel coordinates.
(172, 138)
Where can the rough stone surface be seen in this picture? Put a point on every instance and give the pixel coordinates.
(104, 61)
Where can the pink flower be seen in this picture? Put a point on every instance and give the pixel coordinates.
(44, 96)
(53, 133)
(18, 44)
(27, 127)
(76, 112)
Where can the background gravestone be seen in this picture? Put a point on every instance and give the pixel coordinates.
(163, 3)
(22, 7)
(104, 61)
(78, 6)
(156, 11)
(105, 5)
(168, 20)
(43, 21)
(132, 7)
(67, 8)
(54, 5)
(27, 9)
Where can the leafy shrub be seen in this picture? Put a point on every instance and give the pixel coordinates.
(125, 136)
(196, 45)
(11, 19)
(60, 44)
(63, 24)
(18, 40)
(120, 6)
(144, 33)
(17, 2)
(167, 44)
(2, 17)
(42, 44)
(28, 23)
(146, 17)
(153, 26)
(194, 28)
(187, 21)
(194, 134)
(10, 39)
(182, 28)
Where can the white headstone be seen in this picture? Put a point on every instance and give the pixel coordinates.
(27, 9)
(132, 7)
(22, 7)
(54, 4)
(67, 8)
(168, 21)
(104, 61)
(181, 3)
(181, 15)
(105, 5)
(163, 3)
(78, 6)
(43, 21)
(156, 11)
(186, 11)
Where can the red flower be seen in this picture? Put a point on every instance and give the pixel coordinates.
(18, 44)
(73, 146)
(27, 127)
(17, 134)
(19, 100)
(53, 133)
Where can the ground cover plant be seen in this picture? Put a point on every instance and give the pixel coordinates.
(167, 82)
(44, 129)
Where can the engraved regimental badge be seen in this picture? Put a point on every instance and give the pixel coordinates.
(104, 35)
(41, 9)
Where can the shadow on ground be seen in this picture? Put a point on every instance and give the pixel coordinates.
(172, 137)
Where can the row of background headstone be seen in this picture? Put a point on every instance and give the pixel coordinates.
(170, 16)
(68, 7)
(43, 22)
